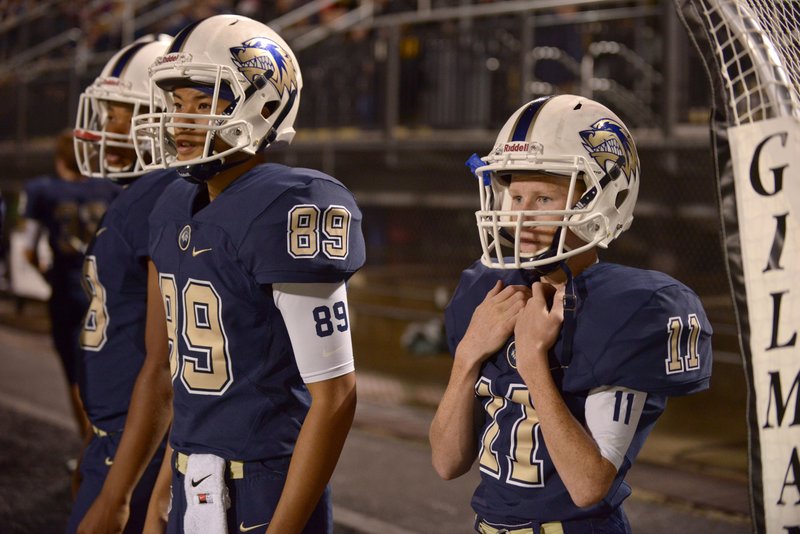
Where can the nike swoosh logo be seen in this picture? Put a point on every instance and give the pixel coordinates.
(196, 252)
(109, 460)
(196, 483)
(243, 528)
(329, 353)
(100, 231)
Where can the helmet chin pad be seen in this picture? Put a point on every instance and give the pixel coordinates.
(200, 173)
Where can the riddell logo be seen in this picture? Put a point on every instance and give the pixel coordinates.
(169, 58)
(515, 147)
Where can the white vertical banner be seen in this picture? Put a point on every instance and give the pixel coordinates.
(766, 164)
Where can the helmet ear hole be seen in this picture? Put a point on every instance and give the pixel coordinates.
(620, 198)
(268, 109)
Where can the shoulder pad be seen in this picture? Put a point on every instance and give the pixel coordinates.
(309, 232)
(639, 329)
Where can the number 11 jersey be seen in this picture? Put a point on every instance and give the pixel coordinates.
(634, 330)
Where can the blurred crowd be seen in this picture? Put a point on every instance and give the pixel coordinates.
(101, 21)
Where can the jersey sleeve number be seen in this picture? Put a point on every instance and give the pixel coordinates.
(675, 363)
(305, 226)
(324, 324)
(95, 323)
(523, 467)
(206, 368)
(618, 407)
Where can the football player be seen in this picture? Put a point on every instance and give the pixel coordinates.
(251, 260)
(115, 280)
(562, 363)
(68, 207)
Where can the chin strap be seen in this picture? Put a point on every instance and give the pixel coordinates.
(552, 250)
(203, 172)
(128, 180)
(570, 316)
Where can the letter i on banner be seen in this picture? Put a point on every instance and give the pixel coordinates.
(766, 165)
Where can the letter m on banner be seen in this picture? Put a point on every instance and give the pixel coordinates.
(751, 53)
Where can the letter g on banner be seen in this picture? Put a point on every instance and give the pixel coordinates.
(777, 172)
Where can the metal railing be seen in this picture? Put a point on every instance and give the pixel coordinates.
(442, 67)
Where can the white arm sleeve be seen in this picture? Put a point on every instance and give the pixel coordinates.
(318, 322)
(612, 415)
(31, 234)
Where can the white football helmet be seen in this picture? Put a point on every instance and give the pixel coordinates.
(123, 80)
(234, 58)
(569, 136)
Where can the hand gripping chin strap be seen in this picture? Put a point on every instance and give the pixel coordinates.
(570, 300)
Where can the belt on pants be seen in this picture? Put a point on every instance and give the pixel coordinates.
(235, 467)
(553, 527)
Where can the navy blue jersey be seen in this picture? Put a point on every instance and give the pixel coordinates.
(115, 280)
(70, 211)
(238, 392)
(638, 329)
(32, 200)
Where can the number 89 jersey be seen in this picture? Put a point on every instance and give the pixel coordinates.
(237, 389)
(635, 330)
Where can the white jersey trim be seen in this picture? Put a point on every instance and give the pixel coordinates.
(318, 357)
(612, 417)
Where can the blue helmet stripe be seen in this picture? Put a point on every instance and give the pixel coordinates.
(177, 43)
(123, 60)
(525, 120)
